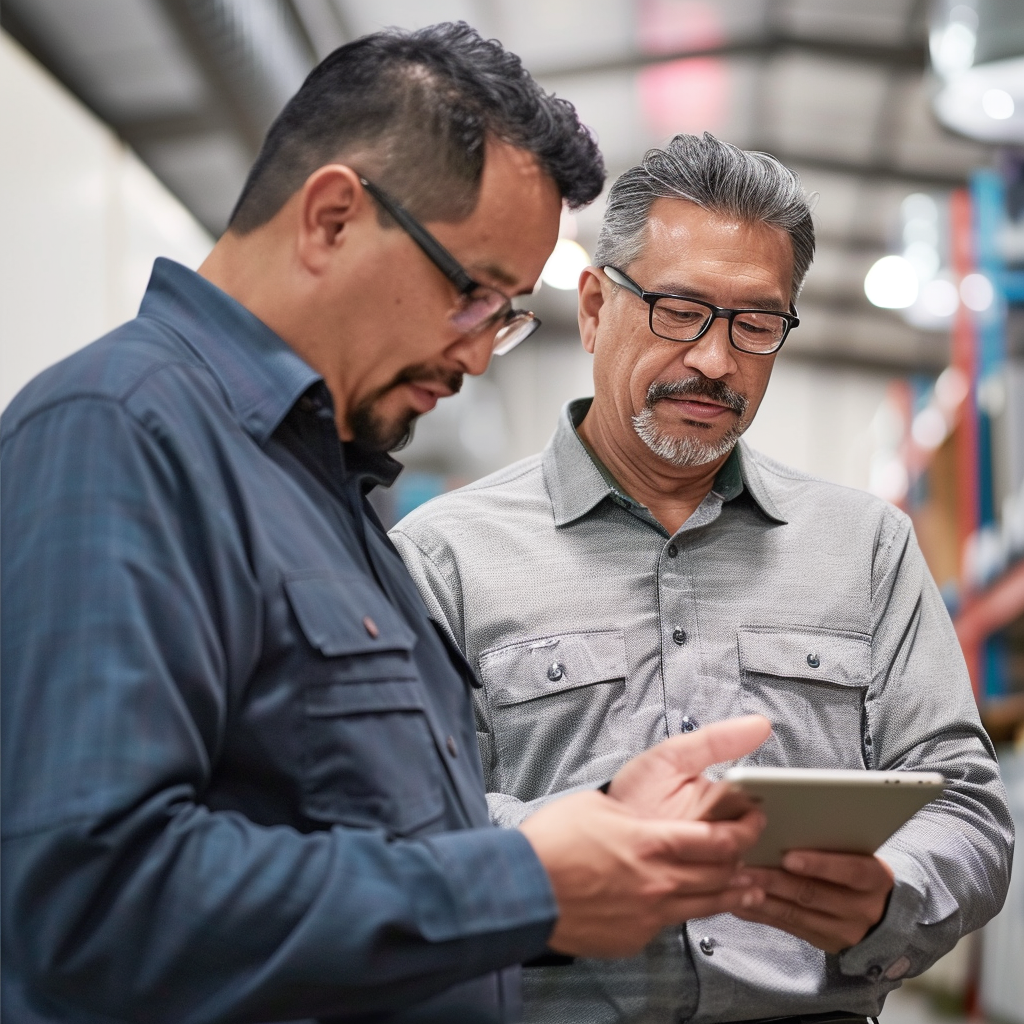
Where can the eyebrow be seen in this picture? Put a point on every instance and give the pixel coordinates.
(498, 274)
(769, 303)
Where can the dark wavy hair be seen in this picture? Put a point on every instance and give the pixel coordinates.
(412, 111)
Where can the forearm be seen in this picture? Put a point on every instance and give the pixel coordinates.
(176, 913)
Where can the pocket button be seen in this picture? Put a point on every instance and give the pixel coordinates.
(688, 724)
(813, 660)
(679, 636)
(555, 671)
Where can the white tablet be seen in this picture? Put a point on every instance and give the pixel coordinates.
(830, 809)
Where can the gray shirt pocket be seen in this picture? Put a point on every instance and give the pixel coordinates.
(811, 683)
(556, 708)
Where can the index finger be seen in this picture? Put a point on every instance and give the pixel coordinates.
(692, 752)
(709, 841)
(861, 871)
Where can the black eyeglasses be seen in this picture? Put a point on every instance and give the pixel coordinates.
(480, 307)
(680, 318)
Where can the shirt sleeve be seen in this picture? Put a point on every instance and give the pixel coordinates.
(952, 859)
(125, 897)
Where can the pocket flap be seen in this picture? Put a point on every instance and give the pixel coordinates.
(341, 616)
(333, 700)
(544, 665)
(819, 655)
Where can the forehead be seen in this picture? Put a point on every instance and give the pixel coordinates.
(686, 244)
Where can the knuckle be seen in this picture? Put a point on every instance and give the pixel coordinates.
(806, 894)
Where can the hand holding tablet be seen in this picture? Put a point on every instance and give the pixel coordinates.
(829, 889)
(834, 810)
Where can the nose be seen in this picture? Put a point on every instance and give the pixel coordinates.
(473, 354)
(712, 354)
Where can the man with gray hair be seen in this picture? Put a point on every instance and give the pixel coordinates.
(649, 574)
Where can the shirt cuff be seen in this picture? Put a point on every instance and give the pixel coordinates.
(496, 884)
(884, 950)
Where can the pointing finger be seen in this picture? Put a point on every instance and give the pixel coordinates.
(732, 738)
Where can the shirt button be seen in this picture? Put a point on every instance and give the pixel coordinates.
(874, 972)
(688, 724)
(707, 945)
(371, 627)
(306, 404)
(672, 551)
(452, 748)
(813, 660)
(679, 636)
(555, 671)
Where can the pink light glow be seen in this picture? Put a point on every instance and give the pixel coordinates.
(684, 96)
(671, 26)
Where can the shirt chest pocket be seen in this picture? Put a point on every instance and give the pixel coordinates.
(369, 758)
(811, 683)
(556, 708)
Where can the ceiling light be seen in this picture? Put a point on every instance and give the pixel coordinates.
(953, 48)
(998, 104)
(977, 292)
(939, 297)
(564, 265)
(986, 102)
(891, 283)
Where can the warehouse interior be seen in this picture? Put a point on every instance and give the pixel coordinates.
(130, 125)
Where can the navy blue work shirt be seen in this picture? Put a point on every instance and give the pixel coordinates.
(240, 772)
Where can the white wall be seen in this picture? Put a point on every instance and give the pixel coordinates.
(82, 220)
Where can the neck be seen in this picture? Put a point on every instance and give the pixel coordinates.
(256, 270)
(672, 493)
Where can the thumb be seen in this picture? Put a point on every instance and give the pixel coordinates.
(691, 753)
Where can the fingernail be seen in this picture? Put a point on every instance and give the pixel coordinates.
(750, 899)
(793, 862)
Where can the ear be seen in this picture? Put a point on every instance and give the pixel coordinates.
(329, 203)
(592, 299)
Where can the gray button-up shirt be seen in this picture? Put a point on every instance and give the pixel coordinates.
(596, 635)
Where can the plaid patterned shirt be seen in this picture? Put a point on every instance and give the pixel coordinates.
(595, 635)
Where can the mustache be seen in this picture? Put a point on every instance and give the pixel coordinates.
(697, 387)
(421, 374)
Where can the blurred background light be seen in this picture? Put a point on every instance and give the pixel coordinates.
(563, 267)
(939, 297)
(891, 283)
(929, 428)
(977, 292)
(924, 258)
(997, 103)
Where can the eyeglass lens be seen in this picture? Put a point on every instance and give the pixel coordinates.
(483, 308)
(681, 320)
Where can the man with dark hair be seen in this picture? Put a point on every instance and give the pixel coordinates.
(656, 576)
(240, 775)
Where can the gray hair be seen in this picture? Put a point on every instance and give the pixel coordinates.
(715, 176)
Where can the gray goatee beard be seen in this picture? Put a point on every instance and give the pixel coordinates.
(689, 450)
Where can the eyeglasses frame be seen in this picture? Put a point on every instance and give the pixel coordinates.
(620, 277)
(445, 261)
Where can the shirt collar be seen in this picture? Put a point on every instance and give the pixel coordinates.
(261, 374)
(577, 483)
